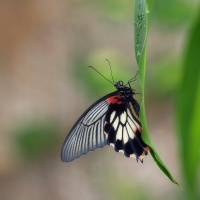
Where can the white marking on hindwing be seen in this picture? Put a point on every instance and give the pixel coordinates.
(132, 125)
(132, 156)
(116, 122)
(112, 116)
(125, 136)
(130, 118)
(123, 118)
(112, 145)
(119, 133)
(122, 151)
(130, 131)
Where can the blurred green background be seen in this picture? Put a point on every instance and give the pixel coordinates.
(45, 86)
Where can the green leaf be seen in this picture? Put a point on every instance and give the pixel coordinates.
(188, 110)
(143, 9)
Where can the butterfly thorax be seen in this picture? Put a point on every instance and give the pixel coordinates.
(123, 90)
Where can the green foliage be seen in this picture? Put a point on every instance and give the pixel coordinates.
(188, 111)
(141, 23)
(35, 138)
(173, 12)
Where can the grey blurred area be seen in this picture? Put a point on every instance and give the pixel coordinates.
(42, 46)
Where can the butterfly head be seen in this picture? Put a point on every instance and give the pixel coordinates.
(123, 89)
(118, 84)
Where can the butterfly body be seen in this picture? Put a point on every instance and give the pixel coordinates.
(112, 120)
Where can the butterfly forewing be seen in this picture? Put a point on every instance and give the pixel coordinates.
(88, 132)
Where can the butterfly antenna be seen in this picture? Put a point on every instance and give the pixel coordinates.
(133, 79)
(110, 70)
(100, 74)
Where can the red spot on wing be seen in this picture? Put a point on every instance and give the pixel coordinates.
(115, 99)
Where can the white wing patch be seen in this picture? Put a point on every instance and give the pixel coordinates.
(125, 136)
(112, 145)
(132, 156)
(123, 118)
(126, 127)
(122, 151)
(119, 133)
(116, 122)
(112, 116)
(131, 120)
(130, 131)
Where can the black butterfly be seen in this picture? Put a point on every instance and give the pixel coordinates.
(112, 120)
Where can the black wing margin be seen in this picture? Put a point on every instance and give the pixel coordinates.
(87, 134)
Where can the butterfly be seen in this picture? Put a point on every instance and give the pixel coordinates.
(112, 120)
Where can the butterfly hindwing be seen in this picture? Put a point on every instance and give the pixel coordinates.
(124, 129)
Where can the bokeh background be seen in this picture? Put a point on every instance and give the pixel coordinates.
(45, 85)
